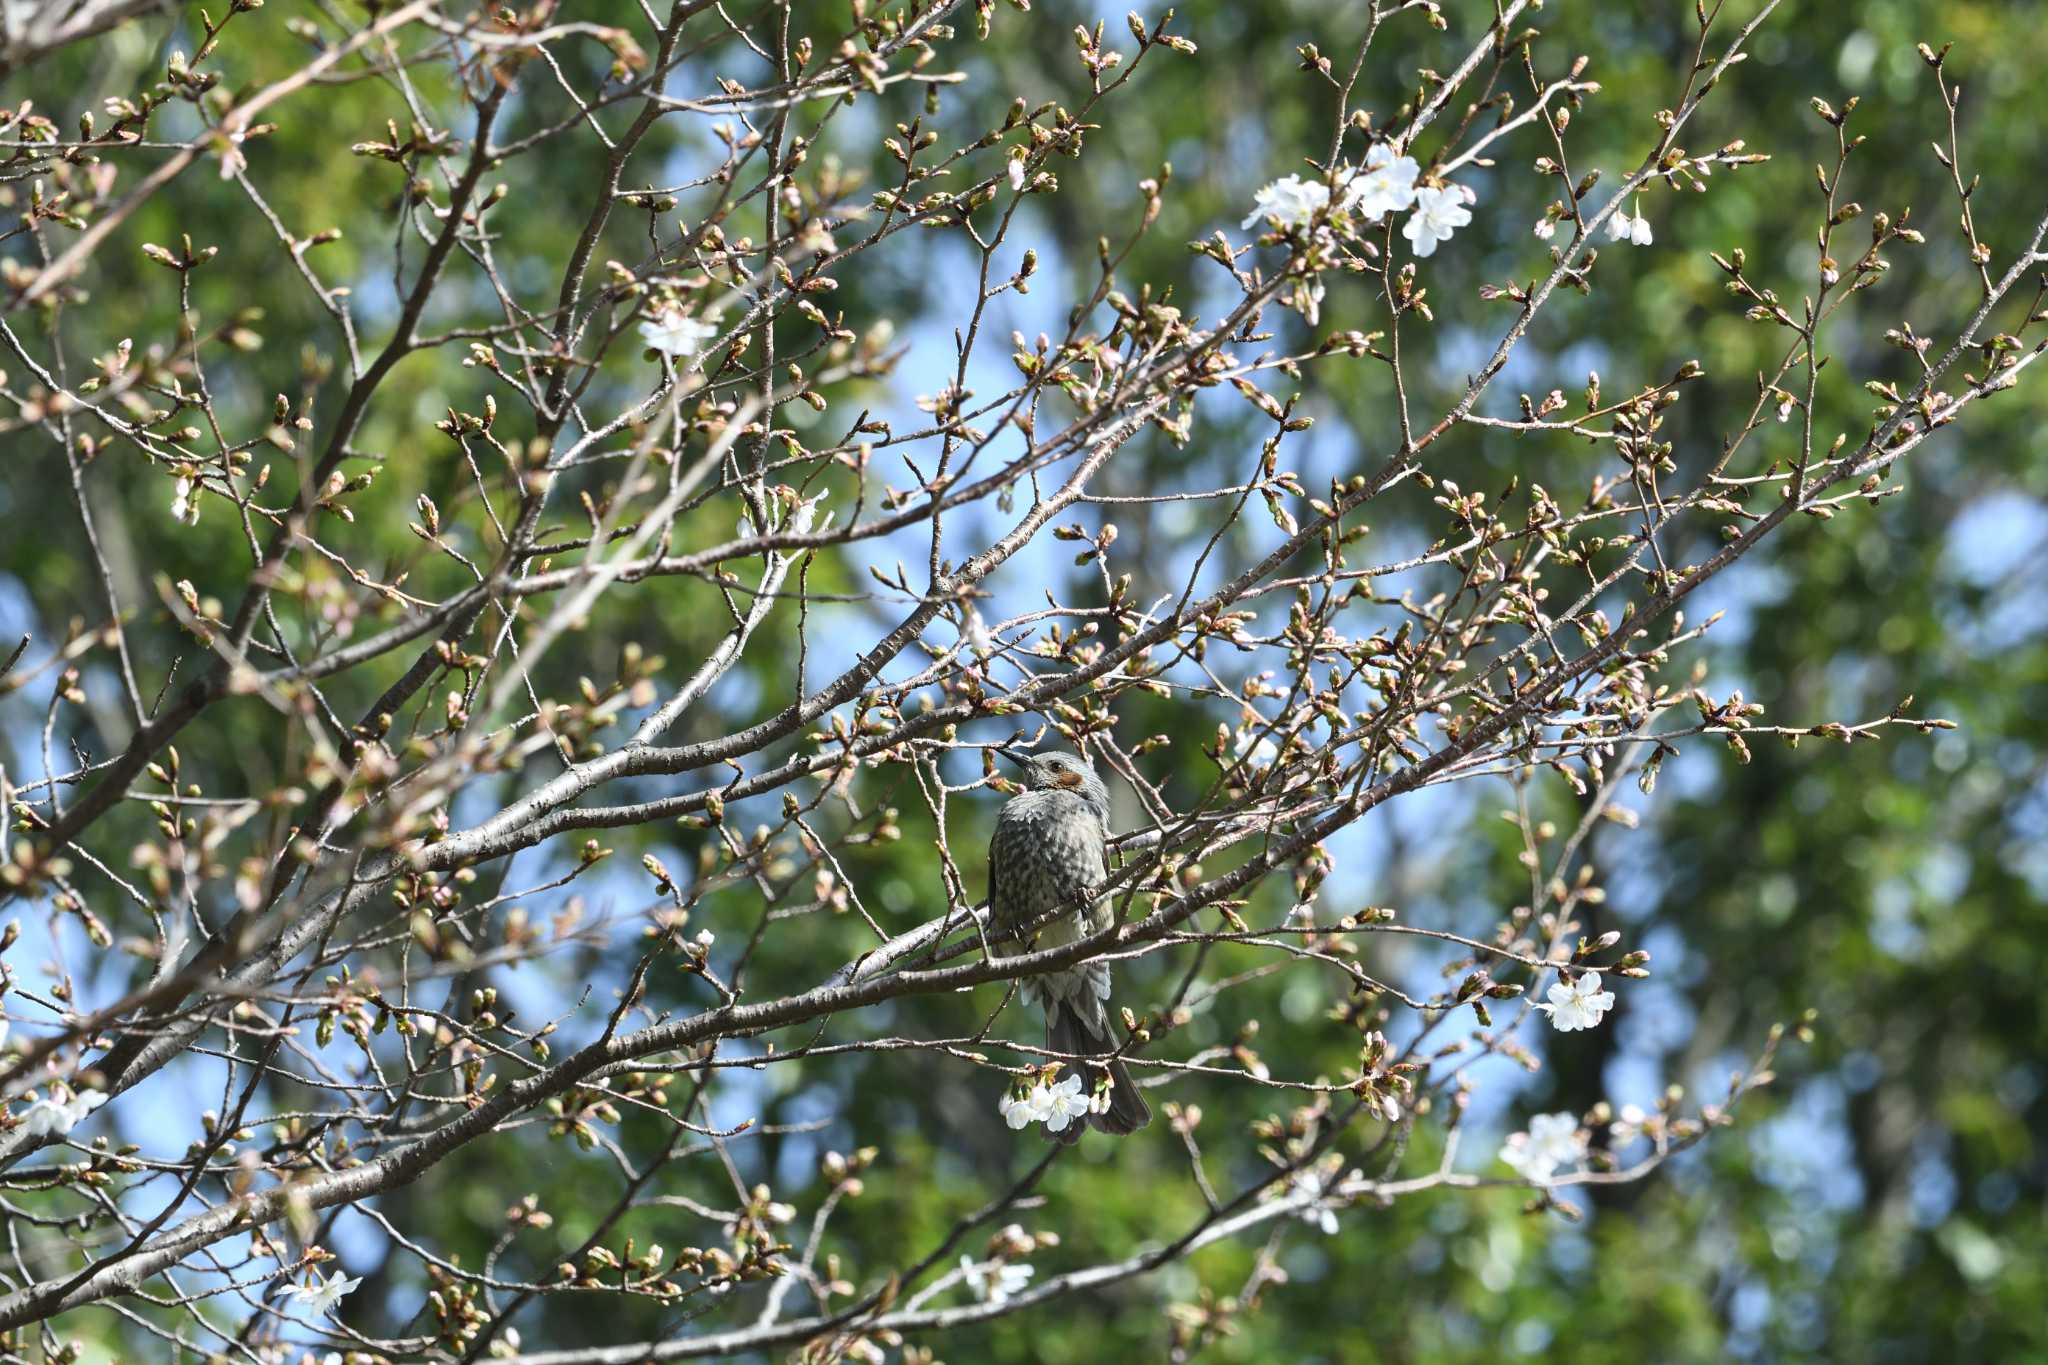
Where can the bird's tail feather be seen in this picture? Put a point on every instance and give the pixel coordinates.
(1067, 1030)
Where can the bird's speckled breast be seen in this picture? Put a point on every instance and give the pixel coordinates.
(1047, 851)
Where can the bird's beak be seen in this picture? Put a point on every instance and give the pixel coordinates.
(1009, 775)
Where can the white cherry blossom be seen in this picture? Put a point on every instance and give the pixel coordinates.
(1064, 1104)
(56, 1118)
(185, 501)
(677, 335)
(995, 1281)
(1553, 1143)
(1288, 203)
(974, 633)
(323, 1292)
(1575, 1005)
(1386, 184)
(1438, 213)
(1634, 230)
(1021, 1110)
(1313, 1187)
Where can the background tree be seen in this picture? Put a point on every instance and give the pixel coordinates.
(495, 766)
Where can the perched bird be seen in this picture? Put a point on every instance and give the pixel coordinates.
(1049, 852)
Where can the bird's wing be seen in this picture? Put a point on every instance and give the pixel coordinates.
(1000, 909)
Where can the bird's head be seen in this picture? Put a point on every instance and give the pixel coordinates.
(1056, 770)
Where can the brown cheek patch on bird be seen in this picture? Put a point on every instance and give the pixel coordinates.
(1068, 778)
